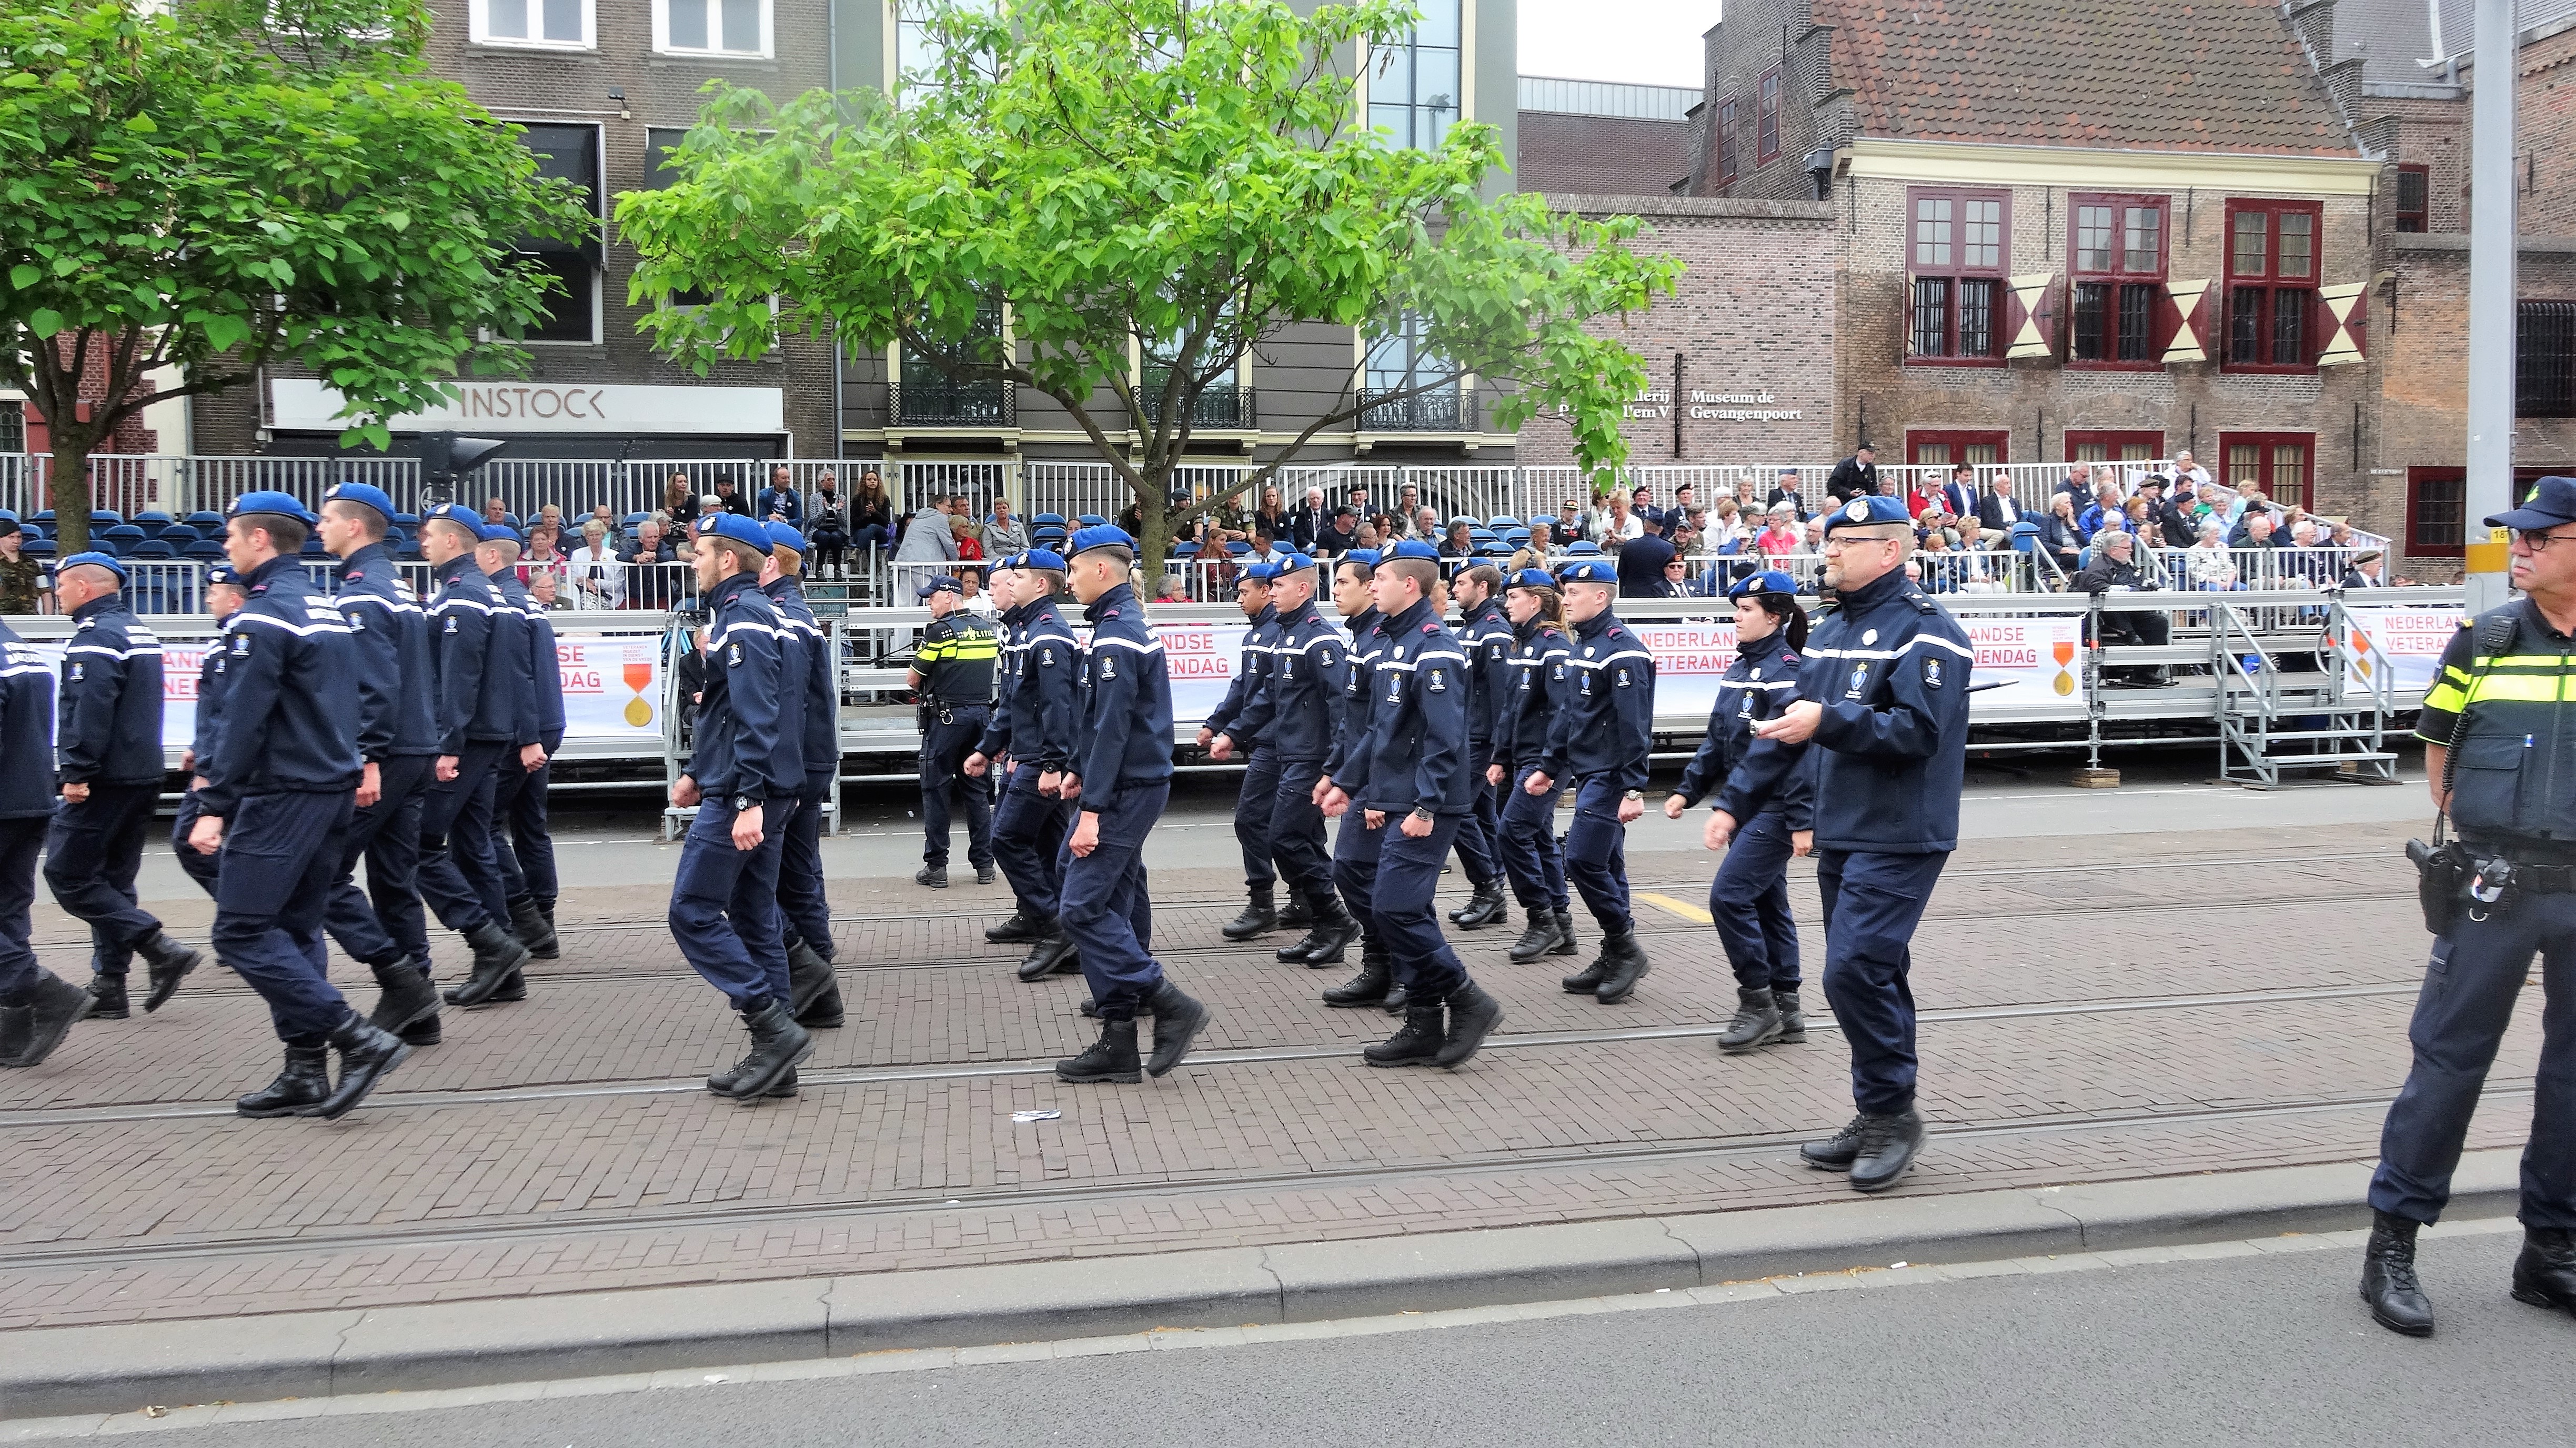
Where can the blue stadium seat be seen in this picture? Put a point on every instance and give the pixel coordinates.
(153, 521)
(406, 520)
(152, 548)
(205, 548)
(121, 532)
(631, 519)
(1092, 520)
(1047, 520)
(1583, 550)
(105, 517)
(38, 548)
(6, 513)
(45, 517)
(203, 519)
(1238, 548)
(1517, 536)
(1494, 550)
(1185, 550)
(1501, 521)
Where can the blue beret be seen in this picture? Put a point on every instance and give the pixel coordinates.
(1261, 572)
(1366, 558)
(941, 584)
(222, 573)
(373, 497)
(283, 504)
(1409, 548)
(736, 528)
(1531, 578)
(1289, 563)
(1589, 570)
(786, 535)
(456, 513)
(1099, 535)
(1865, 510)
(1040, 558)
(500, 533)
(1769, 580)
(108, 561)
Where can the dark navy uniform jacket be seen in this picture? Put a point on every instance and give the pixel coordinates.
(1258, 643)
(397, 681)
(210, 706)
(1415, 753)
(1762, 681)
(1539, 688)
(1040, 659)
(1125, 734)
(819, 712)
(26, 729)
(2513, 765)
(1606, 725)
(111, 698)
(540, 675)
(1358, 674)
(477, 702)
(1890, 667)
(1487, 636)
(291, 701)
(1297, 710)
(741, 750)
(795, 660)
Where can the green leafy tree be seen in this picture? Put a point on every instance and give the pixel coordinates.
(220, 184)
(1183, 177)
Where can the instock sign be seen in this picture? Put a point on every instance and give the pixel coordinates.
(299, 404)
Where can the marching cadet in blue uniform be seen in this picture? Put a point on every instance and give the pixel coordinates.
(1486, 634)
(2499, 732)
(277, 801)
(37, 1007)
(224, 597)
(1119, 778)
(1883, 694)
(1261, 763)
(1539, 688)
(523, 847)
(1296, 713)
(952, 674)
(478, 703)
(1410, 779)
(807, 652)
(108, 758)
(743, 777)
(1749, 898)
(1600, 741)
(383, 927)
(1355, 849)
(1032, 732)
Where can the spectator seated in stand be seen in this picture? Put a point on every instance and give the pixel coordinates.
(2114, 570)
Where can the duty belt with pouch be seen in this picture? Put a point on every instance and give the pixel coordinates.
(2452, 873)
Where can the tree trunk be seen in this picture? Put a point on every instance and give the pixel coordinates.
(1156, 545)
(68, 492)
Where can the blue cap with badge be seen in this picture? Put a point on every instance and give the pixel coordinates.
(456, 513)
(1531, 578)
(372, 497)
(787, 536)
(941, 584)
(1865, 510)
(1261, 572)
(735, 528)
(1409, 548)
(501, 533)
(222, 573)
(1366, 558)
(285, 505)
(1589, 570)
(1046, 558)
(108, 561)
(1769, 580)
(1287, 563)
(1099, 535)
(2552, 502)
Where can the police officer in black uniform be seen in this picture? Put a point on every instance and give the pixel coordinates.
(277, 801)
(1600, 741)
(1355, 849)
(383, 927)
(952, 673)
(37, 1007)
(1883, 696)
(1486, 634)
(1032, 735)
(1296, 712)
(108, 758)
(1539, 688)
(2499, 738)
(802, 899)
(523, 846)
(1261, 763)
(224, 598)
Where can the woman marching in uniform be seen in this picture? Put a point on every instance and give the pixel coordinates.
(1749, 899)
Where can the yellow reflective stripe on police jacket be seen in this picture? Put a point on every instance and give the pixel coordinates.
(2512, 678)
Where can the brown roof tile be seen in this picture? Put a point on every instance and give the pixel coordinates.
(2176, 75)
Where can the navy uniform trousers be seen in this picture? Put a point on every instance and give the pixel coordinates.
(724, 905)
(92, 850)
(20, 841)
(1403, 901)
(1527, 838)
(1255, 806)
(281, 854)
(944, 747)
(801, 900)
(204, 869)
(1872, 904)
(2460, 1016)
(457, 876)
(1480, 838)
(1355, 855)
(1028, 842)
(1596, 852)
(1749, 901)
(523, 843)
(1105, 909)
(1297, 828)
(385, 924)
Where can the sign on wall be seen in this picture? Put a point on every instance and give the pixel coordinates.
(510, 407)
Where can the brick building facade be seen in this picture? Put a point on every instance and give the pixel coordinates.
(1599, 138)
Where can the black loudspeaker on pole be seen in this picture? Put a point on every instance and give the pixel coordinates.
(446, 459)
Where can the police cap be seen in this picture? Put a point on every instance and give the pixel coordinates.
(940, 584)
(2552, 502)
(1865, 510)
(373, 497)
(1769, 581)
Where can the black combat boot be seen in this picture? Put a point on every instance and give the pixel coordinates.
(107, 998)
(1587, 981)
(1024, 924)
(366, 1054)
(815, 988)
(168, 961)
(1793, 1016)
(1483, 908)
(1111, 1058)
(1886, 1148)
(1300, 914)
(529, 922)
(1377, 973)
(934, 876)
(1399, 998)
(40, 1020)
(303, 1085)
(1326, 944)
(1835, 1152)
(1052, 953)
(1472, 1017)
(2388, 1281)
(498, 957)
(1260, 916)
(1565, 934)
(1628, 966)
(985, 874)
(1756, 1023)
(2545, 1274)
(1417, 1043)
(1539, 939)
(1178, 1019)
(778, 1046)
(405, 1002)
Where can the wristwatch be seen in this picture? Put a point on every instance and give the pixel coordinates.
(1636, 794)
(1423, 814)
(743, 802)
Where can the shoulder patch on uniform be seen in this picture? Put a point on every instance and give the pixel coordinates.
(1922, 604)
(1046, 657)
(358, 577)
(1615, 633)
(1436, 680)
(1932, 671)
(1431, 628)
(451, 623)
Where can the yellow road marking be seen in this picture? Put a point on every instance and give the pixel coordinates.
(1687, 912)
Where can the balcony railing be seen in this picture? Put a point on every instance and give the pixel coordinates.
(953, 404)
(1447, 410)
(1216, 408)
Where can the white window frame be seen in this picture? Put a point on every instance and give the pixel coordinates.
(482, 29)
(662, 33)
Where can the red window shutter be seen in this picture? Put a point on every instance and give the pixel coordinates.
(2341, 312)
(2183, 320)
(2031, 315)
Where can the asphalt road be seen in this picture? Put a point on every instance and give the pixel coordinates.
(2250, 1349)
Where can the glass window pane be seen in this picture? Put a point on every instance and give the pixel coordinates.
(2298, 241)
(2136, 452)
(1435, 81)
(688, 24)
(1396, 121)
(567, 304)
(1984, 454)
(1932, 454)
(742, 26)
(1439, 23)
(2252, 232)
(2245, 324)
(2092, 452)
(1391, 76)
(2244, 463)
(2090, 301)
(2137, 319)
(2289, 473)
(507, 20)
(2144, 241)
(1932, 231)
(1984, 242)
(1977, 318)
(563, 21)
(2093, 238)
(1931, 317)
(2289, 327)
